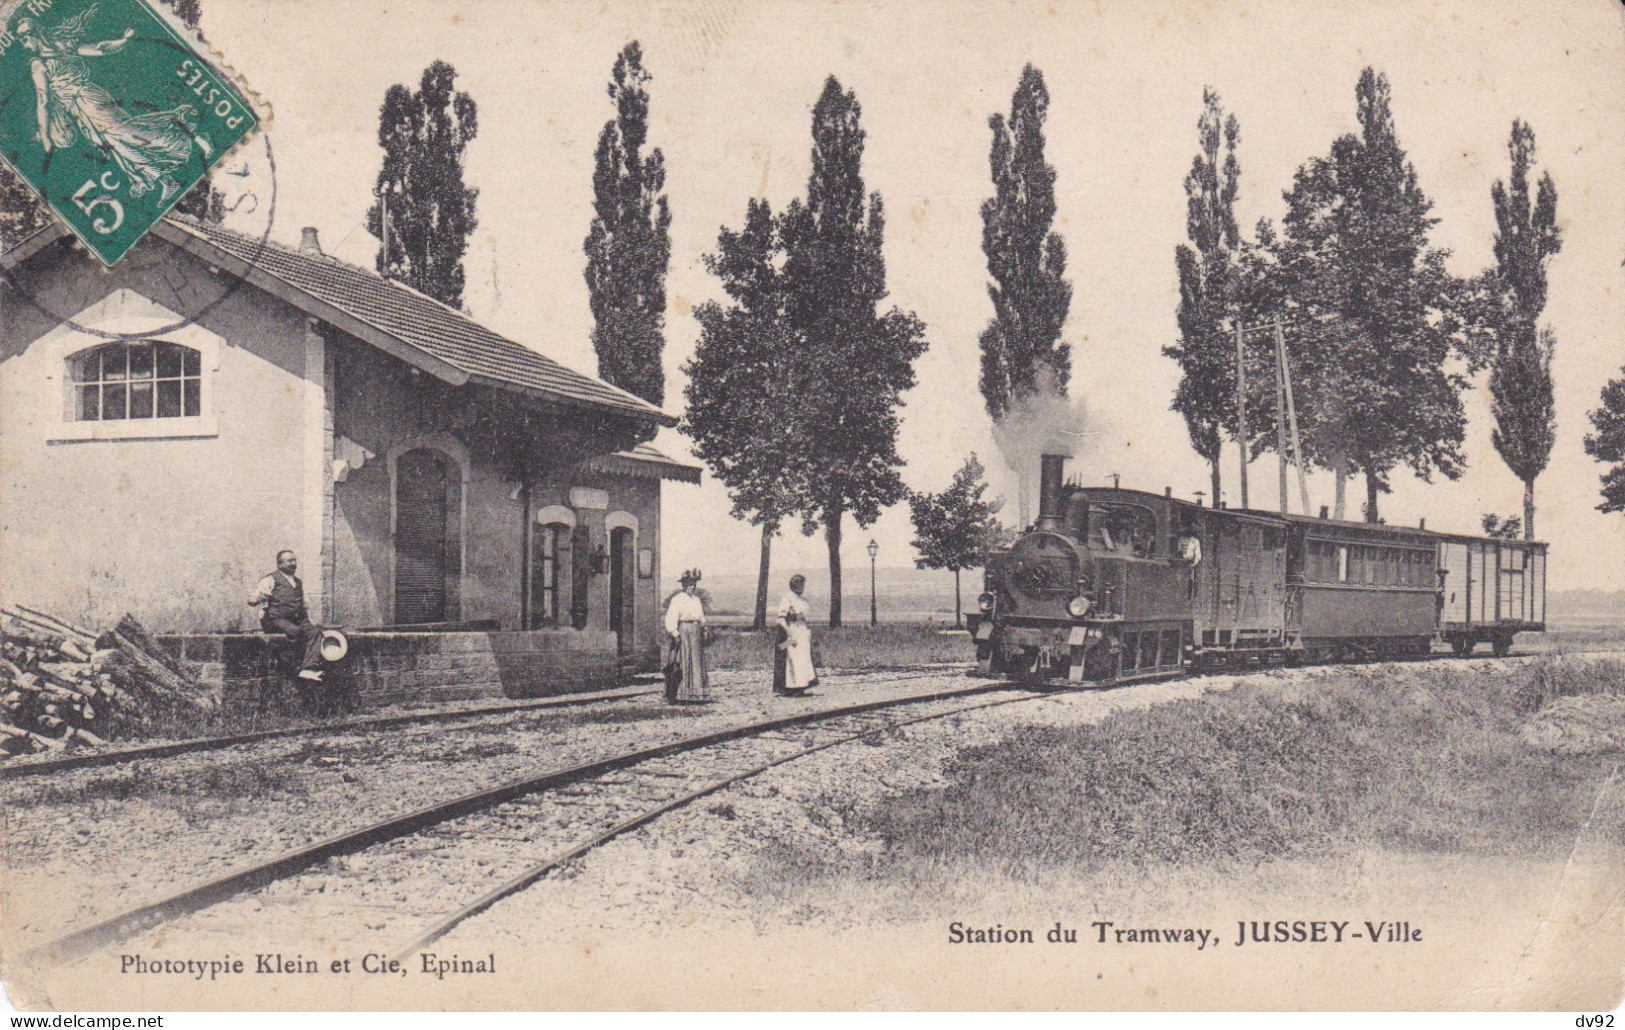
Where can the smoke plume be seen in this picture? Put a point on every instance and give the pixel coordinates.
(1043, 422)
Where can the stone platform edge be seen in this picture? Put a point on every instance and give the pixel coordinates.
(405, 667)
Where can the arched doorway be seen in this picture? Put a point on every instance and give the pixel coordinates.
(623, 573)
(428, 498)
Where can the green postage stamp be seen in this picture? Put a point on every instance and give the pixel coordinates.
(110, 115)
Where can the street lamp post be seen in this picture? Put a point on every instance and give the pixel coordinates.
(874, 549)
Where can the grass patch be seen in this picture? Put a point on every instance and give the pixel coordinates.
(850, 647)
(1424, 760)
(1558, 676)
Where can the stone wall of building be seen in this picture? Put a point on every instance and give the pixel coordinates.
(252, 670)
(171, 519)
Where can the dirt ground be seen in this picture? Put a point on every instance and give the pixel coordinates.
(699, 910)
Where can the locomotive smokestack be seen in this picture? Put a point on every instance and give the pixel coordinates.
(1051, 515)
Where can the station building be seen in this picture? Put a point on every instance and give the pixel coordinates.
(168, 425)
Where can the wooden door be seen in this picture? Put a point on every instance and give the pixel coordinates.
(422, 486)
(623, 573)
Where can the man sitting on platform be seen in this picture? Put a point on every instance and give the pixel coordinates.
(283, 595)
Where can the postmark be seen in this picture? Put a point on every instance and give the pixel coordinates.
(111, 116)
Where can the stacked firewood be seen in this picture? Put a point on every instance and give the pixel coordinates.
(63, 686)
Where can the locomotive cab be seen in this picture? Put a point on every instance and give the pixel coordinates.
(1098, 591)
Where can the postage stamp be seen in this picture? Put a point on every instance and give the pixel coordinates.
(110, 115)
(799, 505)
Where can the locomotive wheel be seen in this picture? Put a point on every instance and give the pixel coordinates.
(1462, 646)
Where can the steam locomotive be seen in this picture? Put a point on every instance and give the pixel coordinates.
(1112, 586)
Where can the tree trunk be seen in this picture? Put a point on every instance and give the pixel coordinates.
(1213, 466)
(1371, 496)
(959, 608)
(1340, 472)
(832, 536)
(760, 621)
(1529, 508)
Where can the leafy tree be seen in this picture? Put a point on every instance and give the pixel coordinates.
(1022, 349)
(1526, 238)
(629, 243)
(953, 529)
(430, 213)
(1207, 266)
(740, 395)
(1378, 317)
(21, 213)
(1607, 443)
(1501, 529)
(852, 364)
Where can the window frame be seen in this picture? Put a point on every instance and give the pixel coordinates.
(103, 381)
(552, 547)
(123, 316)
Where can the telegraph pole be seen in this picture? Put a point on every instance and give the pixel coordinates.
(1280, 424)
(1241, 408)
(1291, 413)
(1286, 414)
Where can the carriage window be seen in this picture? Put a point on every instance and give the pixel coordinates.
(1342, 564)
(120, 381)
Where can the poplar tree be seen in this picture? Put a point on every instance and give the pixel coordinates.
(1207, 267)
(852, 363)
(952, 529)
(423, 214)
(1022, 350)
(629, 243)
(1521, 399)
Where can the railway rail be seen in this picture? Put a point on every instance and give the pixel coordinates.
(562, 813)
(117, 756)
(26, 767)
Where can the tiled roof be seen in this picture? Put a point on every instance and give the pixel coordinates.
(420, 323)
(645, 460)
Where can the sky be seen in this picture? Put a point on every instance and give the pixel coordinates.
(731, 100)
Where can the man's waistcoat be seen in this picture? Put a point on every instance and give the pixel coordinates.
(287, 602)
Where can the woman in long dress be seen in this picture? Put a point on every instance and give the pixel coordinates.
(794, 672)
(687, 681)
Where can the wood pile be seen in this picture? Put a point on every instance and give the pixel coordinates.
(62, 686)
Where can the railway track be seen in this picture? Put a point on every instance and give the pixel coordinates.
(26, 767)
(457, 857)
(121, 755)
(19, 769)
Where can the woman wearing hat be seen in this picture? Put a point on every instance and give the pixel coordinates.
(686, 679)
(793, 670)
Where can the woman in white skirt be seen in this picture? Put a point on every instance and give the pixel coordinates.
(793, 670)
